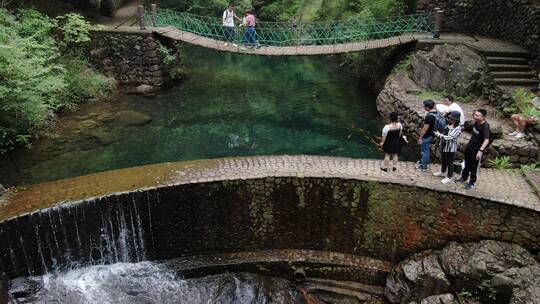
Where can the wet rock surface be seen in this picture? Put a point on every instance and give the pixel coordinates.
(450, 68)
(489, 271)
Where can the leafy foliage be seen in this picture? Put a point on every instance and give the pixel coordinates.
(345, 9)
(529, 168)
(522, 104)
(284, 10)
(278, 10)
(205, 7)
(172, 61)
(35, 79)
(502, 162)
(75, 31)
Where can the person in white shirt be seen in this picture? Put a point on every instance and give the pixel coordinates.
(228, 25)
(451, 106)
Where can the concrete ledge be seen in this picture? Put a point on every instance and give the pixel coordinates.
(496, 186)
(234, 205)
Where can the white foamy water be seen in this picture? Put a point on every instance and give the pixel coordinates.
(149, 282)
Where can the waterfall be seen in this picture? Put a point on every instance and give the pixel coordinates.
(93, 232)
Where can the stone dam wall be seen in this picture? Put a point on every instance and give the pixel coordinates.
(381, 220)
(132, 57)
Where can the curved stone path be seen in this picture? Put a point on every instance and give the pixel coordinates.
(508, 187)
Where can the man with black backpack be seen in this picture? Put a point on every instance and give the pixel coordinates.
(432, 122)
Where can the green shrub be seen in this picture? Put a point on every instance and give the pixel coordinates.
(502, 162)
(404, 65)
(75, 32)
(345, 9)
(35, 78)
(172, 62)
(84, 83)
(523, 104)
(529, 168)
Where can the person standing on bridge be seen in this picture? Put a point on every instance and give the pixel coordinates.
(228, 24)
(251, 34)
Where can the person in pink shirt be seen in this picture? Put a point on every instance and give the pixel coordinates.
(251, 34)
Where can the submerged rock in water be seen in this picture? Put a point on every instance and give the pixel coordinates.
(133, 118)
(145, 89)
(103, 137)
(24, 287)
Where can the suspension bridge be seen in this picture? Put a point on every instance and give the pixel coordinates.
(287, 38)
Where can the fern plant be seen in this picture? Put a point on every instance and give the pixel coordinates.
(501, 162)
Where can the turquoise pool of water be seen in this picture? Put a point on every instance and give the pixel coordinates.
(229, 105)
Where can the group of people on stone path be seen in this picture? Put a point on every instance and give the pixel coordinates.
(229, 28)
(444, 123)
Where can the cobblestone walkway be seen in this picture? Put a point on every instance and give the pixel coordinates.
(507, 187)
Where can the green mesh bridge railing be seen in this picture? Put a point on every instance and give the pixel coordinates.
(308, 33)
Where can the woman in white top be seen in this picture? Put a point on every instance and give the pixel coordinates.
(391, 142)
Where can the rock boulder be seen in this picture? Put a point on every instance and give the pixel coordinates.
(490, 270)
(133, 118)
(455, 69)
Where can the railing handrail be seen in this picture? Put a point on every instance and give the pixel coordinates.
(301, 33)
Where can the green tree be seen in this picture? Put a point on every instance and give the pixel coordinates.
(36, 80)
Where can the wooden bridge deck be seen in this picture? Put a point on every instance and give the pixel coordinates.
(187, 37)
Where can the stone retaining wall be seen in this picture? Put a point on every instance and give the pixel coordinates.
(131, 56)
(373, 219)
(513, 20)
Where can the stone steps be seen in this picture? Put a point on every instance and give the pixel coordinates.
(513, 53)
(513, 74)
(516, 81)
(354, 286)
(509, 67)
(507, 60)
(362, 292)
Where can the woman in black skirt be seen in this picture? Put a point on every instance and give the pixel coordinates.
(391, 142)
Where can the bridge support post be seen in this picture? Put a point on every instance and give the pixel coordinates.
(3, 288)
(140, 14)
(437, 15)
(154, 14)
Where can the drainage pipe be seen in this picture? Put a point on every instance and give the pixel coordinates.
(299, 275)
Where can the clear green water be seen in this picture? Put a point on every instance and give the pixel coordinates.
(230, 105)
